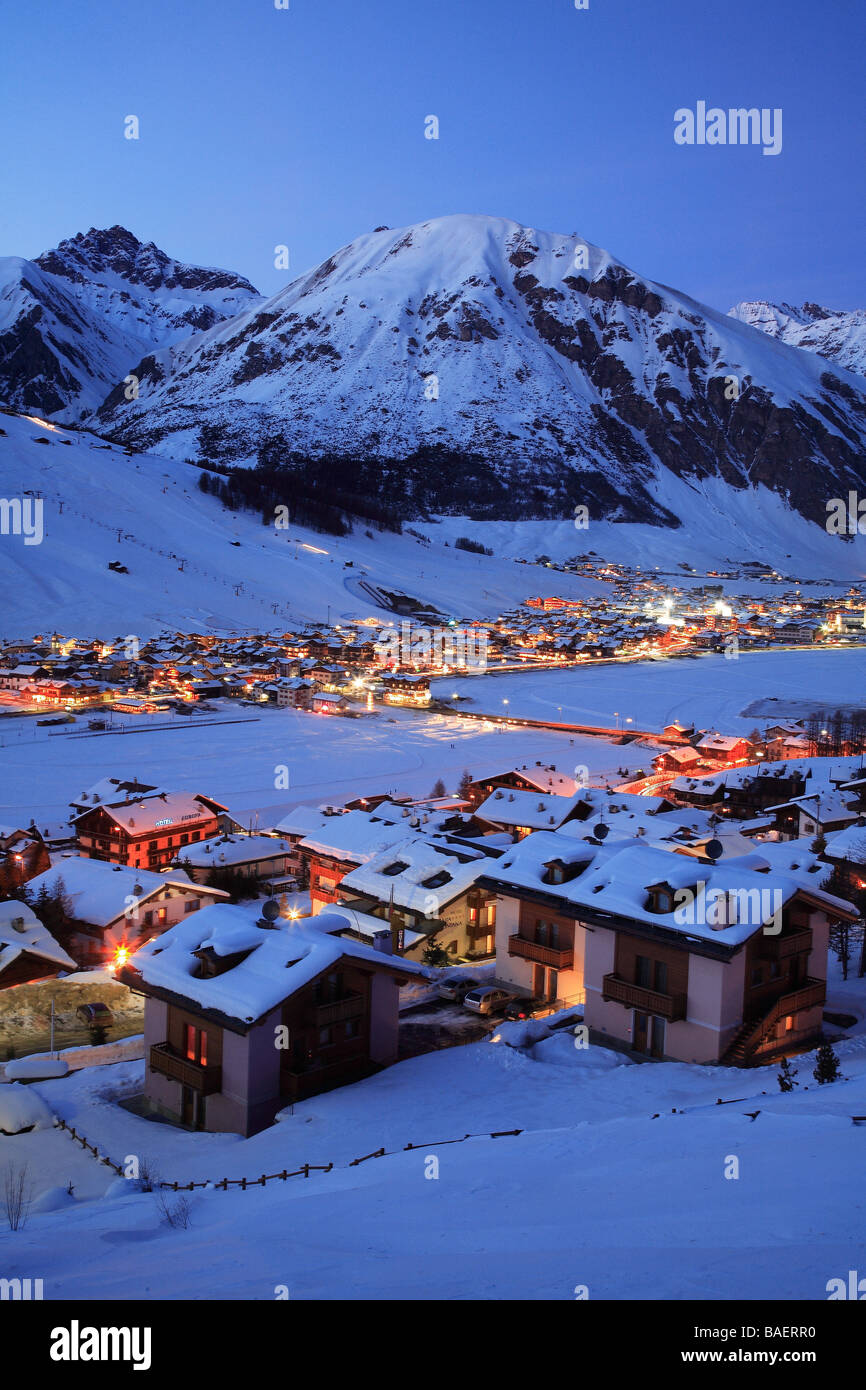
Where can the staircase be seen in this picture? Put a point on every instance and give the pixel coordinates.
(749, 1037)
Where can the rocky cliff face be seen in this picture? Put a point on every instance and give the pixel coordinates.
(74, 321)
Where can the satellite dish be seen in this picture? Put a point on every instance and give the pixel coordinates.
(602, 832)
(714, 849)
(271, 910)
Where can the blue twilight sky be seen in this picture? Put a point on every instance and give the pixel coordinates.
(305, 127)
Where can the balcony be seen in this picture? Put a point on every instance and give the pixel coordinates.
(785, 944)
(556, 958)
(336, 1011)
(648, 1001)
(207, 1080)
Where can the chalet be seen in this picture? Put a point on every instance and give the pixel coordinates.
(23, 855)
(535, 779)
(148, 832)
(846, 851)
(27, 950)
(815, 813)
(112, 791)
(294, 829)
(253, 856)
(678, 730)
(406, 690)
(343, 843)
(677, 760)
(112, 909)
(329, 702)
(719, 748)
(295, 693)
(521, 812)
(428, 887)
(243, 1017)
(672, 959)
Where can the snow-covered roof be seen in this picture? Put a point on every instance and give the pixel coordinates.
(615, 880)
(848, 844)
(99, 892)
(233, 849)
(424, 875)
(278, 961)
(505, 806)
(29, 936)
(356, 836)
(169, 808)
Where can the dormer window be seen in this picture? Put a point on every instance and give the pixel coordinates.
(661, 898)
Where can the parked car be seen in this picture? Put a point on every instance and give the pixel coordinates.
(488, 999)
(455, 989)
(523, 1008)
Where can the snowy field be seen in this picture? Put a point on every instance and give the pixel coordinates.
(606, 1187)
(327, 758)
(711, 691)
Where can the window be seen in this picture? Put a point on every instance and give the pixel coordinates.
(643, 972)
(184, 839)
(195, 1044)
(326, 1037)
(789, 1023)
(757, 976)
(151, 845)
(353, 1028)
(191, 905)
(491, 914)
(160, 916)
(148, 919)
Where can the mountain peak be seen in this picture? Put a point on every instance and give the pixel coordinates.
(116, 252)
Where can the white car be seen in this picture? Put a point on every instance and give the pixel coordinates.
(488, 999)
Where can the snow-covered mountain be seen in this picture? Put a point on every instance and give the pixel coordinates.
(841, 337)
(492, 368)
(75, 320)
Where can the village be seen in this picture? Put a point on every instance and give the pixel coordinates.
(346, 668)
(687, 918)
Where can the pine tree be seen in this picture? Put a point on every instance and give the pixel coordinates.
(439, 788)
(786, 1077)
(464, 784)
(826, 1065)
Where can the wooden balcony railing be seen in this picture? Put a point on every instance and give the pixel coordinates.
(785, 944)
(168, 1063)
(557, 958)
(337, 1011)
(648, 1001)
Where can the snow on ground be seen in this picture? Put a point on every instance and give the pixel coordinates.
(710, 691)
(100, 504)
(328, 758)
(606, 1187)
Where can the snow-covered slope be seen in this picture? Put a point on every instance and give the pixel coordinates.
(194, 565)
(841, 337)
(74, 321)
(102, 504)
(565, 376)
(615, 1188)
